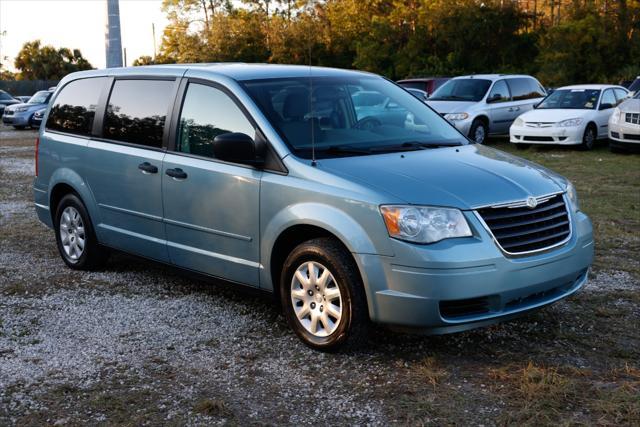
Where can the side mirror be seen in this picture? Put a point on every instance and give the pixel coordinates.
(494, 98)
(605, 106)
(236, 148)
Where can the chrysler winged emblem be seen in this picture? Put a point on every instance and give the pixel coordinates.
(532, 202)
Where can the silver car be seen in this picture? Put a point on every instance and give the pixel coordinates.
(486, 104)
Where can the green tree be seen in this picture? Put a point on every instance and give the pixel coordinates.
(37, 62)
(143, 60)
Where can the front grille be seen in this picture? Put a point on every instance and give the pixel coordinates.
(633, 137)
(539, 124)
(464, 307)
(8, 113)
(519, 229)
(538, 138)
(633, 118)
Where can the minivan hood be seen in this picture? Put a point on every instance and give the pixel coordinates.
(553, 115)
(445, 107)
(464, 177)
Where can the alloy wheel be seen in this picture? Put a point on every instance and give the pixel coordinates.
(72, 233)
(316, 299)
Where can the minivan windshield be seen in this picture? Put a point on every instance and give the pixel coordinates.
(574, 99)
(41, 97)
(462, 90)
(349, 116)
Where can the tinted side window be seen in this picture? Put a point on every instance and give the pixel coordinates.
(500, 88)
(535, 90)
(75, 106)
(522, 89)
(206, 113)
(137, 111)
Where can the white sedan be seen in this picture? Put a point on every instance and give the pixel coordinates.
(571, 115)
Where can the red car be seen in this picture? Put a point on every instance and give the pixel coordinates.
(427, 84)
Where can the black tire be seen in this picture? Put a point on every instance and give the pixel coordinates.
(473, 130)
(522, 146)
(352, 329)
(589, 137)
(93, 255)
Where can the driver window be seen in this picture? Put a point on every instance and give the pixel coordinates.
(608, 99)
(206, 113)
(500, 88)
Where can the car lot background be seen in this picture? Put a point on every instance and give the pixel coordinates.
(141, 343)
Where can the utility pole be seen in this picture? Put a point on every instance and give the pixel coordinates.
(153, 31)
(113, 39)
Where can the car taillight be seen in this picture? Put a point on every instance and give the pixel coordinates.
(37, 147)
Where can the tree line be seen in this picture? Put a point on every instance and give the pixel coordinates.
(560, 41)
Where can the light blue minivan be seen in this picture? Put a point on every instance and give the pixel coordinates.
(267, 176)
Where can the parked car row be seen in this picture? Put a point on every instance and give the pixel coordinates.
(519, 106)
(22, 114)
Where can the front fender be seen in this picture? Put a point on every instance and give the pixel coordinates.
(335, 221)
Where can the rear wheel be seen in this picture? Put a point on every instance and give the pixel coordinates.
(589, 137)
(322, 295)
(75, 237)
(478, 131)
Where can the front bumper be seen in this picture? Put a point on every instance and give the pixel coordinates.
(460, 284)
(624, 134)
(16, 119)
(462, 125)
(548, 135)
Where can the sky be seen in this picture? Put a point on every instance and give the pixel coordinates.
(78, 24)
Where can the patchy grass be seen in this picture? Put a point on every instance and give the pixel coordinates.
(149, 346)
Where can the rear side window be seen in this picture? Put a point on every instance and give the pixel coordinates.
(137, 111)
(525, 88)
(75, 107)
(206, 113)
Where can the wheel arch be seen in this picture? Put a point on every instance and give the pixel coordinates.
(65, 181)
(300, 223)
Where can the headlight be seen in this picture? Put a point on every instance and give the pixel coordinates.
(573, 197)
(421, 224)
(615, 116)
(21, 109)
(570, 122)
(456, 116)
(518, 122)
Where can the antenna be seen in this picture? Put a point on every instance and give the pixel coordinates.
(313, 137)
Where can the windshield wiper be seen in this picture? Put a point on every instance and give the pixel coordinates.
(449, 97)
(405, 146)
(343, 149)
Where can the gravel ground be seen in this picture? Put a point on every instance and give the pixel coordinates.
(140, 343)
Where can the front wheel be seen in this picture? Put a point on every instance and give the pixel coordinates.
(588, 138)
(322, 295)
(75, 237)
(478, 131)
